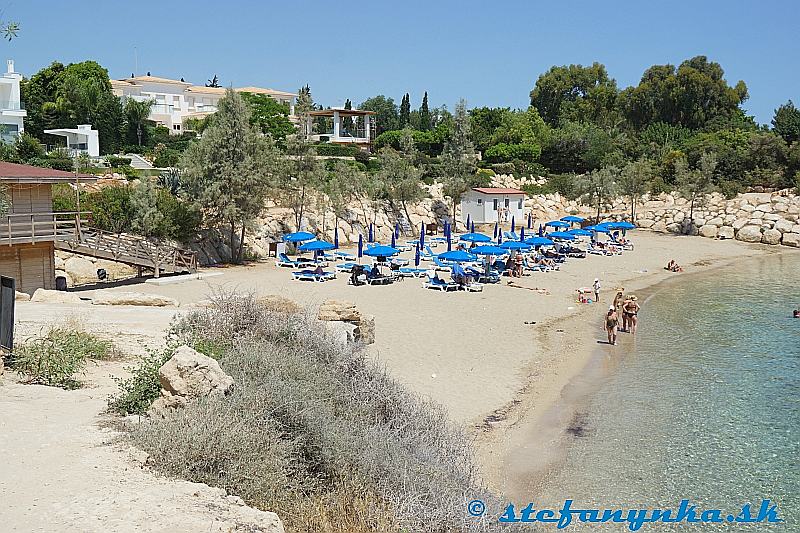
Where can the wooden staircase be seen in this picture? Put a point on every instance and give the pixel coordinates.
(128, 249)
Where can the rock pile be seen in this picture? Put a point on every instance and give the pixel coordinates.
(345, 319)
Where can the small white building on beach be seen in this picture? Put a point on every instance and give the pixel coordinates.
(492, 204)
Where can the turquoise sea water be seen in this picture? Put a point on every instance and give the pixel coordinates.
(706, 406)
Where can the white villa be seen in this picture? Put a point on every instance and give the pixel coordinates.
(350, 126)
(491, 204)
(11, 111)
(80, 140)
(178, 100)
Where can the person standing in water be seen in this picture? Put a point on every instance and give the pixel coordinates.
(630, 310)
(611, 325)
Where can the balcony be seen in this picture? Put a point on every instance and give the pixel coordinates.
(26, 228)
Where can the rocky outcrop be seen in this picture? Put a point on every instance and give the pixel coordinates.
(79, 269)
(361, 327)
(21, 296)
(188, 375)
(55, 297)
(133, 298)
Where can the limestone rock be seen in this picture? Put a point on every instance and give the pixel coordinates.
(188, 375)
(338, 310)
(133, 298)
(791, 239)
(726, 232)
(342, 332)
(55, 297)
(80, 270)
(771, 236)
(21, 296)
(365, 331)
(749, 233)
(708, 230)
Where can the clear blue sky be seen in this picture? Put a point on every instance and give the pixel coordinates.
(489, 52)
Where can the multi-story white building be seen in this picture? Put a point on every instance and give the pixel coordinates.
(12, 113)
(178, 100)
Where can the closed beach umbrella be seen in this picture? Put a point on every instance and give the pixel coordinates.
(475, 237)
(530, 221)
(500, 237)
(381, 251)
(541, 230)
(449, 243)
(316, 246)
(515, 245)
(539, 241)
(472, 227)
(416, 256)
(393, 240)
(421, 234)
(468, 222)
(488, 249)
(563, 235)
(371, 236)
(512, 224)
(336, 238)
(299, 236)
(457, 256)
(522, 233)
(360, 245)
(495, 230)
(396, 229)
(557, 224)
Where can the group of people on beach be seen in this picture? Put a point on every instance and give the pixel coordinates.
(622, 315)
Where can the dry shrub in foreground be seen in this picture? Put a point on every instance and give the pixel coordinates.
(315, 431)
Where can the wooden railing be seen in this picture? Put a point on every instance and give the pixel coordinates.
(41, 227)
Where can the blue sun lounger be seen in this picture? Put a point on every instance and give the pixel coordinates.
(310, 275)
(409, 272)
(284, 261)
(440, 284)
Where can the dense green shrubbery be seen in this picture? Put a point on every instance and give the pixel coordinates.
(58, 357)
(117, 162)
(340, 150)
(313, 430)
(138, 392)
(564, 184)
(503, 153)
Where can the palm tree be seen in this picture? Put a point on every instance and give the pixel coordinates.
(137, 112)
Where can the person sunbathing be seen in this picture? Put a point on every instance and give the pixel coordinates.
(672, 266)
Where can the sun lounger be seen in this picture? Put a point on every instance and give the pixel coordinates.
(442, 265)
(403, 247)
(344, 256)
(284, 261)
(310, 275)
(346, 267)
(492, 277)
(427, 254)
(510, 236)
(409, 272)
(472, 287)
(399, 261)
(439, 284)
(598, 251)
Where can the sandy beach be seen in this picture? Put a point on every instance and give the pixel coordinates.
(498, 360)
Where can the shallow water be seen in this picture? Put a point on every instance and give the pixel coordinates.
(706, 406)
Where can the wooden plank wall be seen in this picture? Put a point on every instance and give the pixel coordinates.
(32, 265)
(32, 198)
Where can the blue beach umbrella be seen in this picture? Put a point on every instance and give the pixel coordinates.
(475, 237)
(299, 236)
(315, 246)
(539, 241)
(512, 224)
(515, 245)
(381, 251)
(488, 249)
(572, 218)
(563, 235)
(371, 236)
(580, 232)
(621, 225)
(458, 256)
(336, 238)
(416, 256)
(530, 221)
(360, 245)
(522, 233)
(393, 240)
(557, 224)
(598, 228)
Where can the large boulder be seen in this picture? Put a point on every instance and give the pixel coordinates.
(338, 311)
(55, 297)
(365, 330)
(80, 270)
(726, 232)
(771, 236)
(133, 298)
(708, 230)
(749, 233)
(188, 375)
(791, 239)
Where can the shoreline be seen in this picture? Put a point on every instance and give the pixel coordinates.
(523, 441)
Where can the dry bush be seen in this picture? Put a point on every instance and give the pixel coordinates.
(315, 431)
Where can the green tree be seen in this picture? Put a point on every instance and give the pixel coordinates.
(575, 93)
(484, 121)
(136, 115)
(269, 116)
(695, 184)
(634, 180)
(303, 106)
(598, 187)
(300, 174)
(399, 174)
(786, 122)
(28, 148)
(227, 173)
(458, 158)
(386, 117)
(405, 111)
(424, 114)
(145, 215)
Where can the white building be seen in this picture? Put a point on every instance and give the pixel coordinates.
(177, 100)
(80, 140)
(11, 112)
(350, 126)
(490, 204)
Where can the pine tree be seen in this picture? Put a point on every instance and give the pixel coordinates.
(424, 114)
(458, 158)
(304, 105)
(405, 111)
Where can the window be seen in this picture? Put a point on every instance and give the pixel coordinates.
(519, 204)
(495, 204)
(480, 201)
(176, 127)
(507, 202)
